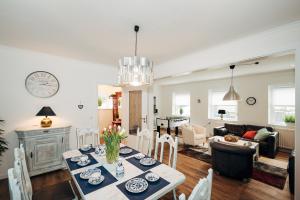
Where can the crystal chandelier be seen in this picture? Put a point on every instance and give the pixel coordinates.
(135, 70)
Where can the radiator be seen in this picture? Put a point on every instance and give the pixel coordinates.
(286, 138)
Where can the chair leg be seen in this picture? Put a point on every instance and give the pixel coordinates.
(174, 194)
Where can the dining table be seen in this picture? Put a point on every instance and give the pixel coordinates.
(113, 186)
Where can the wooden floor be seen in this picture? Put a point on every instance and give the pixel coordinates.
(223, 188)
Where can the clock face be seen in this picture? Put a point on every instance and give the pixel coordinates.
(251, 101)
(42, 84)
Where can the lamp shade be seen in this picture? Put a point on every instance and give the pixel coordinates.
(46, 111)
(231, 95)
(222, 112)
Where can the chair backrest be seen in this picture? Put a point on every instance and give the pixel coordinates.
(20, 180)
(173, 144)
(202, 191)
(86, 136)
(144, 136)
(21, 158)
(14, 187)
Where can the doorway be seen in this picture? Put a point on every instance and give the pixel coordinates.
(109, 106)
(135, 111)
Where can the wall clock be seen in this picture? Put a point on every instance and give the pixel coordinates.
(251, 101)
(42, 84)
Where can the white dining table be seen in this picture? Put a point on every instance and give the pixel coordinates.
(173, 176)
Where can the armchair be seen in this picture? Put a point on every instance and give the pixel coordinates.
(193, 134)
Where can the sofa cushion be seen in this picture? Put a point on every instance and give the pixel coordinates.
(235, 129)
(249, 135)
(256, 128)
(262, 134)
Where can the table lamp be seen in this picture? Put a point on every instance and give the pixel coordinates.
(221, 112)
(46, 111)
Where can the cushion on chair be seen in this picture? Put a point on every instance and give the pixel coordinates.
(262, 134)
(249, 135)
(61, 191)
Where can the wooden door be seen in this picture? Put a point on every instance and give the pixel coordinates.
(135, 111)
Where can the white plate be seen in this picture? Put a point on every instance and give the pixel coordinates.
(152, 177)
(136, 185)
(85, 148)
(77, 158)
(98, 182)
(87, 173)
(147, 161)
(139, 156)
(83, 164)
(125, 150)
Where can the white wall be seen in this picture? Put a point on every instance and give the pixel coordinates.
(251, 85)
(78, 82)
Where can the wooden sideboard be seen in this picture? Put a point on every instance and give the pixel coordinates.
(44, 147)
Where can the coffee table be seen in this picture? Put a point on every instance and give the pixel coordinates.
(253, 145)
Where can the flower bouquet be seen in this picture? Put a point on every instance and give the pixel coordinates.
(112, 138)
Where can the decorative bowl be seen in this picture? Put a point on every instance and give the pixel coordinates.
(152, 177)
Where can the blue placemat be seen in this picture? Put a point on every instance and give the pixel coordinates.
(136, 163)
(152, 188)
(129, 154)
(73, 165)
(87, 188)
(89, 151)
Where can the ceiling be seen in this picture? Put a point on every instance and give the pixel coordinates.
(273, 63)
(102, 31)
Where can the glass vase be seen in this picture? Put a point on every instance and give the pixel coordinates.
(112, 152)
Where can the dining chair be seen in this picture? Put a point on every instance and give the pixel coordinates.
(173, 145)
(202, 190)
(25, 178)
(86, 136)
(61, 190)
(144, 141)
(13, 184)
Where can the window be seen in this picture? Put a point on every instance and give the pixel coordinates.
(281, 103)
(181, 104)
(216, 103)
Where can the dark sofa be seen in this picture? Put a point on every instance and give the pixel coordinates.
(267, 147)
(232, 161)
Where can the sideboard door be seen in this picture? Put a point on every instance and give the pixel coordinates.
(46, 152)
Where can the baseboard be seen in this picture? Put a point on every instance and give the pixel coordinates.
(3, 176)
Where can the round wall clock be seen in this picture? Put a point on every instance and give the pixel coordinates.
(251, 101)
(41, 84)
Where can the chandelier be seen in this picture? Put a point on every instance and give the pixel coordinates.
(135, 70)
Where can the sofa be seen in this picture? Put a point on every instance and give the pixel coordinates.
(232, 161)
(268, 147)
(193, 134)
(291, 171)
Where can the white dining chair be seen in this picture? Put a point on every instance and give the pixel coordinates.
(173, 145)
(202, 190)
(144, 141)
(13, 184)
(86, 136)
(25, 178)
(25, 182)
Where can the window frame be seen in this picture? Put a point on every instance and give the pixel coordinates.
(174, 107)
(271, 105)
(211, 115)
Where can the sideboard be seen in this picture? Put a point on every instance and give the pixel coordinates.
(44, 147)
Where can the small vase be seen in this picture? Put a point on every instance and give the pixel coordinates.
(112, 152)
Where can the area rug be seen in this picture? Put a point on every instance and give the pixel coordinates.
(271, 175)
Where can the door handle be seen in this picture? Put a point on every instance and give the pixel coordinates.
(31, 154)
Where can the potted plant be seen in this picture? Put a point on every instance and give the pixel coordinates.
(112, 138)
(289, 120)
(3, 143)
(180, 111)
(99, 102)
